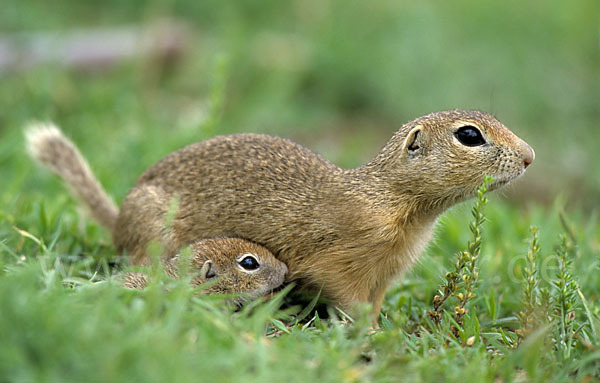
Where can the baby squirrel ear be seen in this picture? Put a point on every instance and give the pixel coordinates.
(414, 142)
(207, 271)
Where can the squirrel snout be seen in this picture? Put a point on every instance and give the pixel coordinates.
(528, 153)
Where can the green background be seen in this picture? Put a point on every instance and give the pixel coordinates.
(338, 77)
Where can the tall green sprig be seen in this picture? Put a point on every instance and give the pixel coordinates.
(556, 305)
(565, 302)
(461, 282)
(530, 298)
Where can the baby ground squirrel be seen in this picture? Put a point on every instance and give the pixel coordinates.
(347, 231)
(234, 265)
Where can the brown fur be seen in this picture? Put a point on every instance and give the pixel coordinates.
(219, 259)
(350, 231)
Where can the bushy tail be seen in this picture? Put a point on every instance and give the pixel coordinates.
(47, 144)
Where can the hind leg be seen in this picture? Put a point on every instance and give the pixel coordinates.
(144, 218)
(377, 298)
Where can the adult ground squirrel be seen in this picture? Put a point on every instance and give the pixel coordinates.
(347, 231)
(234, 265)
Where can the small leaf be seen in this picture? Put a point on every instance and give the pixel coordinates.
(385, 322)
(280, 325)
(491, 306)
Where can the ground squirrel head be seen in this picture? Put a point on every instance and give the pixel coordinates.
(236, 266)
(231, 265)
(442, 157)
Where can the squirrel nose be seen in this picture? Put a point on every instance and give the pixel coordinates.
(528, 153)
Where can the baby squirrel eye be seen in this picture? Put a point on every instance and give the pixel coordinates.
(469, 136)
(249, 263)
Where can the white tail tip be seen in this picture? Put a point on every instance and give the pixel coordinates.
(37, 134)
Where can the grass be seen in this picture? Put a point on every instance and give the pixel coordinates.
(354, 72)
(64, 318)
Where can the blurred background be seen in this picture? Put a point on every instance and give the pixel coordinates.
(132, 81)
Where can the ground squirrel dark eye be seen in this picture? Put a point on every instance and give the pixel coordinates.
(469, 136)
(249, 263)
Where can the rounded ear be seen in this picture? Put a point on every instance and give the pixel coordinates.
(414, 143)
(207, 271)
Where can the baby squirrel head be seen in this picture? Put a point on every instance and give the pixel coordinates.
(442, 157)
(236, 266)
